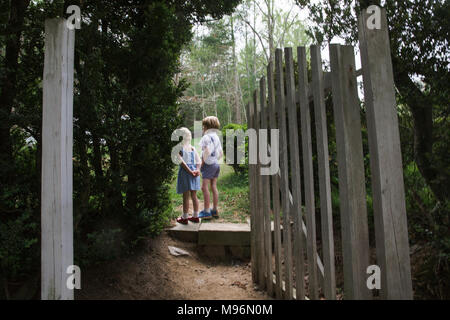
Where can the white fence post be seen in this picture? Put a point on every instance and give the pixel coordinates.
(57, 142)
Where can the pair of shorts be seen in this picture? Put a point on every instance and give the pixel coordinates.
(210, 171)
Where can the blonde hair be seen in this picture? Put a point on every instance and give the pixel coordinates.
(211, 122)
(187, 136)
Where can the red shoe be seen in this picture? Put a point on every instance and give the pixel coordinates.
(182, 221)
(194, 219)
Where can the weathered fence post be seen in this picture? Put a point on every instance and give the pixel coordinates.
(252, 196)
(329, 283)
(57, 141)
(352, 191)
(284, 169)
(294, 153)
(391, 228)
(324, 170)
(275, 186)
(260, 200)
(263, 150)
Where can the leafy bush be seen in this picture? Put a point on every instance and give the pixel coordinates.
(237, 167)
(428, 225)
(125, 110)
(20, 218)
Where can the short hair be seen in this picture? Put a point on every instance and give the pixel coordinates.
(211, 122)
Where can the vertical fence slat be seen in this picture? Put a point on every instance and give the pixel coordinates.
(391, 227)
(266, 192)
(259, 207)
(296, 212)
(321, 138)
(275, 188)
(324, 174)
(252, 188)
(352, 191)
(306, 139)
(57, 142)
(280, 102)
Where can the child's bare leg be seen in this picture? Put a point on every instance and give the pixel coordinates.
(205, 190)
(215, 193)
(185, 204)
(194, 200)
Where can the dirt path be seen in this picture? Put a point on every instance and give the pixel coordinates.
(156, 274)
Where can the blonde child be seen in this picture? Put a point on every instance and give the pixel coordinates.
(210, 168)
(188, 181)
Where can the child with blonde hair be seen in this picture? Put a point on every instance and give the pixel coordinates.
(188, 181)
(210, 168)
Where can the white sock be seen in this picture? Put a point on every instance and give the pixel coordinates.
(185, 215)
(208, 210)
(195, 215)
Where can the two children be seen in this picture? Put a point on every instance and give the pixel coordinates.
(188, 175)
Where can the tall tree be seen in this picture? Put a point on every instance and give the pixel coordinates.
(236, 85)
(419, 33)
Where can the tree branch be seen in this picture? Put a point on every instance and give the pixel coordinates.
(258, 35)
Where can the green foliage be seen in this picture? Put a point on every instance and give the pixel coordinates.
(233, 196)
(207, 67)
(19, 224)
(103, 245)
(237, 167)
(18, 245)
(429, 225)
(226, 59)
(125, 110)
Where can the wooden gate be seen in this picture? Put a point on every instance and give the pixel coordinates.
(283, 215)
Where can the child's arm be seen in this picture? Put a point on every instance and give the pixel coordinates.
(205, 154)
(197, 160)
(185, 167)
(205, 150)
(220, 153)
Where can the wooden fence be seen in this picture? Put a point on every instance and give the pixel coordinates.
(286, 259)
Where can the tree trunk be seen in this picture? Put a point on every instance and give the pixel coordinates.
(270, 26)
(86, 180)
(97, 158)
(422, 113)
(237, 104)
(247, 68)
(113, 198)
(132, 192)
(254, 47)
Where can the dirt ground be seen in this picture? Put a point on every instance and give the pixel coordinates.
(155, 274)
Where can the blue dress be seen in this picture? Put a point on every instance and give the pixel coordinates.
(186, 181)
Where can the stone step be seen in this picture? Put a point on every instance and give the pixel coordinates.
(185, 232)
(216, 240)
(224, 234)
